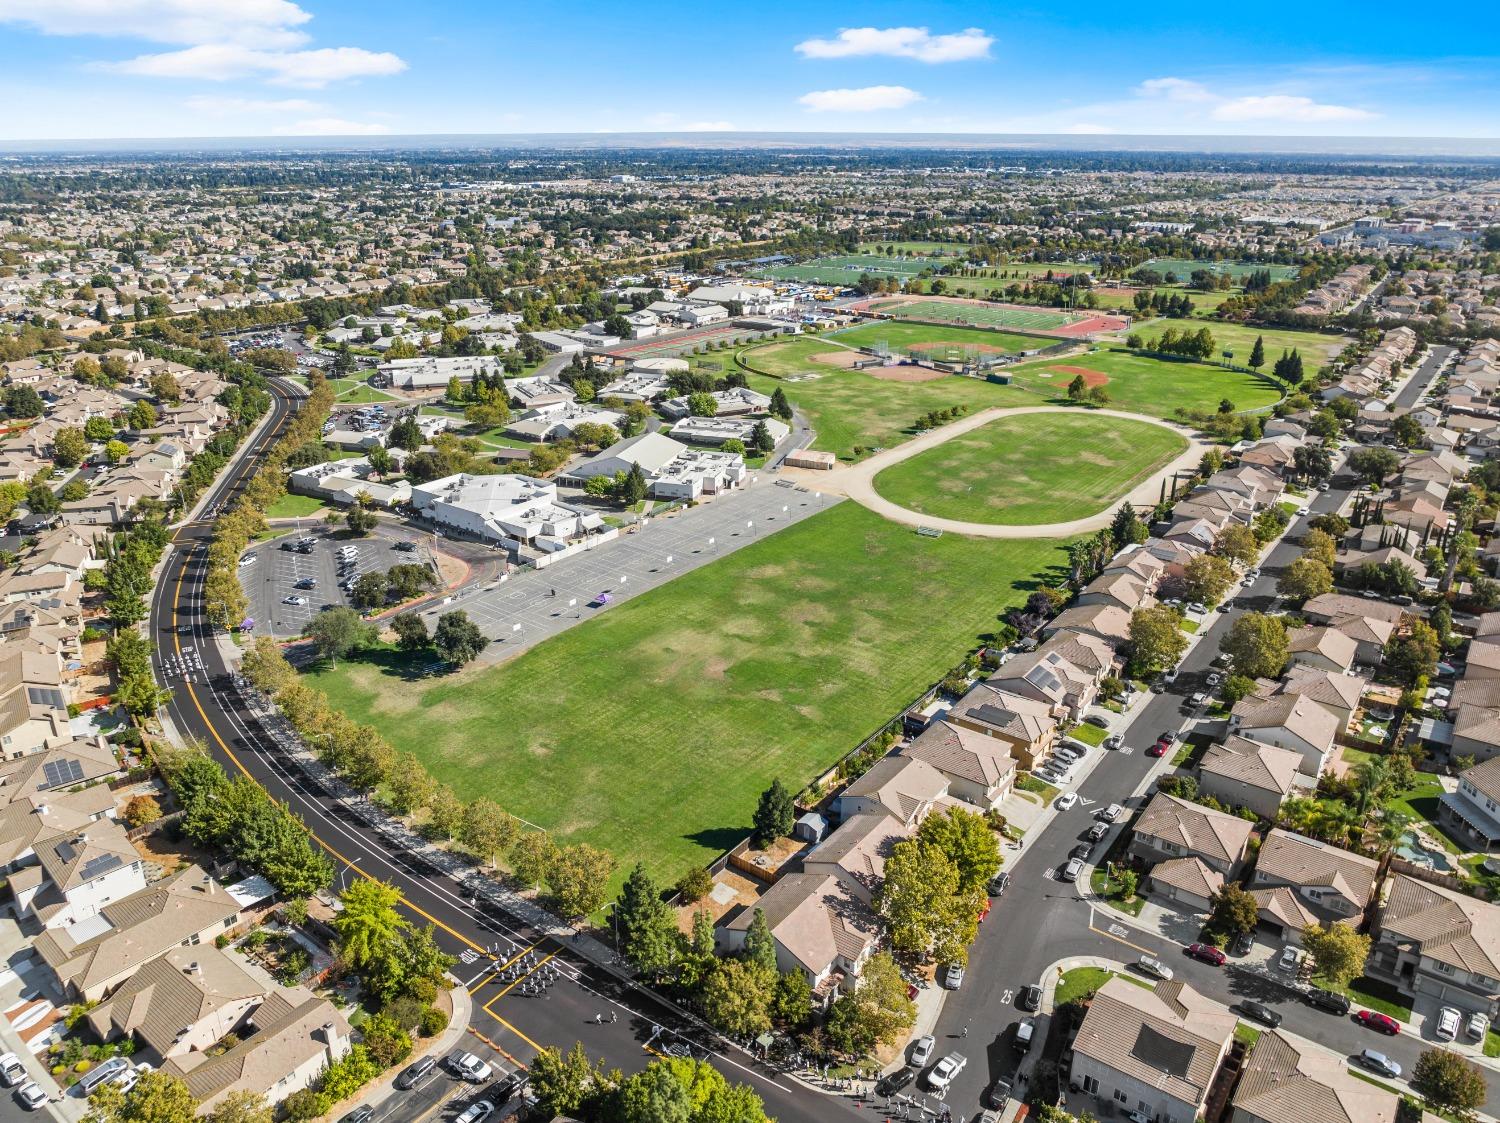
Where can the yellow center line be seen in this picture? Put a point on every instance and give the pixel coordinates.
(230, 753)
(517, 982)
(490, 974)
(1120, 940)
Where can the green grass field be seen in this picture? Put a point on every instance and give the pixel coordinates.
(1123, 300)
(932, 249)
(652, 729)
(904, 335)
(295, 507)
(1239, 338)
(793, 357)
(849, 407)
(845, 269)
(1140, 384)
(980, 315)
(1238, 270)
(1037, 468)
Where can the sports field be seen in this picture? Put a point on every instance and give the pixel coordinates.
(1140, 384)
(980, 315)
(1036, 468)
(795, 356)
(931, 249)
(903, 336)
(651, 729)
(1238, 270)
(1240, 338)
(845, 269)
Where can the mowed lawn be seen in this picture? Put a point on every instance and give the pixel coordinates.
(795, 356)
(849, 407)
(1141, 384)
(1315, 347)
(651, 729)
(902, 335)
(1036, 468)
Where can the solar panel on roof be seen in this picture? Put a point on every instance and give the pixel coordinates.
(1164, 1053)
(994, 715)
(46, 696)
(60, 772)
(97, 866)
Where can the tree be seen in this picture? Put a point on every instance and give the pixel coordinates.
(141, 810)
(654, 1095)
(1408, 431)
(560, 1081)
(69, 447)
(23, 402)
(1320, 546)
(1206, 578)
(877, 1013)
(760, 945)
(701, 404)
(141, 415)
(369, 927)
(531, 857)
(736, 998)
(780, 407)
(1127, 528)
(1338, 950)
(649, 938)
(1449, 1083)
(1077, 388)
(1414, 655)
(369, 590)
(361, 519)
(457, 638)
(339, 631)
(635, 488)
(792, 1002)
(774, 816)
(1233, 910)
(1258, 354)
(579, 877)
(411, 632)
(242, 1106)
(406, 435)
(968, 842)
(1373, 465)
(488, 829)
(408, 580)
(386, 1039)
(116, 451)
(1304, 579)
(1257, 645)
(156, 1098)
(1156, 638)
(922, 903)
(1238, 543)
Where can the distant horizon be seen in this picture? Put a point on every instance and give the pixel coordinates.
(728, 140)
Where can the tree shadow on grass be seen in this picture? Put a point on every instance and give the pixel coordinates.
(719, 839)
(392, 661)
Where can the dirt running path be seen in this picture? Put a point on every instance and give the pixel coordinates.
(857, 481)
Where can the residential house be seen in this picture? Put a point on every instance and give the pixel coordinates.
(1326, 649)
(1337, 692)
(1476, 730)
(856, 853)
(978, 768)
(1246, 773)
(1437, 943)
(1175, 828)
(1288, 721)
(33, 702)
(1472, 813)
(1291, 1080)
(1027, 726)
(77, 874)
(1186, 881)
(820, 926)
(900, 786)
(1121, 589)
(1370, 623)
(1049, 674)
(1152, 1051)
(1108, 622)
(1331, 884)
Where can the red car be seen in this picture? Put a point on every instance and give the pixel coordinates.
(1159, 749)
(1381, 1023)
(1207, 953)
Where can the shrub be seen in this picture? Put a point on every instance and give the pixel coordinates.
(432, 1023)
(695, 884)
(424, 990)
(305, 1104)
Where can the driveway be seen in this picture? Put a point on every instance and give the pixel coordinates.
(857, 481)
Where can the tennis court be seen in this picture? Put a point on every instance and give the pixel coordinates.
(977, 315)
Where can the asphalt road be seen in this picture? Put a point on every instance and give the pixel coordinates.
(515, 1016)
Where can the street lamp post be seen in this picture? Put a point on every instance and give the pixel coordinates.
(344, 873)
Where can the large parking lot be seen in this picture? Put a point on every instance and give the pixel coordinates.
(274, 577)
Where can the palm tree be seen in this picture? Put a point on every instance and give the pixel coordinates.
(1370, 778)
(1391, 827)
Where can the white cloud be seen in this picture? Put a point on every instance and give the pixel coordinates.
(206, 103)
(1174, 89)
(901, 42)
(221, 62)
(332, 126)
(1286, 107)
(258, 23)
(863, 100)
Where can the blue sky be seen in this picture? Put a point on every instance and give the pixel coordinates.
(175, 68)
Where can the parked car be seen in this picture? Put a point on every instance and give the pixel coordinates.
(1098, 831)
(1110, 813)
(1113, 741)
(248, 559)
(1081, 852)
(1025, 1032)
(1380, 1023)
(479, 1109)
(1477, 1026)
(1214, 678)
(1159, 749)
(12, 1071)
(996, 1095)
(999, 884)
(1328, 1000)
(1071, 871)
(1241, 944)
(1168, 737)
(31, 1095)
(1197, 607)
(469, 1067)
(945, 1070)
(295, 600)
(1378, 1062)
(1447, 1023)
(922, 1049)
(1068, 753)
(362, 1114)
(306, 583)
(1258, 1011)
(1030, 999)
(1207, 953)
(414, 1073)
(953, 977)
(1290, 959)
(893, 1082)
(1199, 698)
(1150, 965)
(1098, 719)
(104, 1074)
(1066, 800)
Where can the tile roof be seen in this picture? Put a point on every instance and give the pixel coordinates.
(1283, 906)
(816, 918)
(1285, 1081)
(1450, 927)
(1341, 604)
(1249, 762)
(1478, 723)
(1189, 875)
(174, 992)
(1195, 828)
(963, 753)
(1334, 645)
(1305, 862)
(1485, 777)
(902, 784)
(1293, 712)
